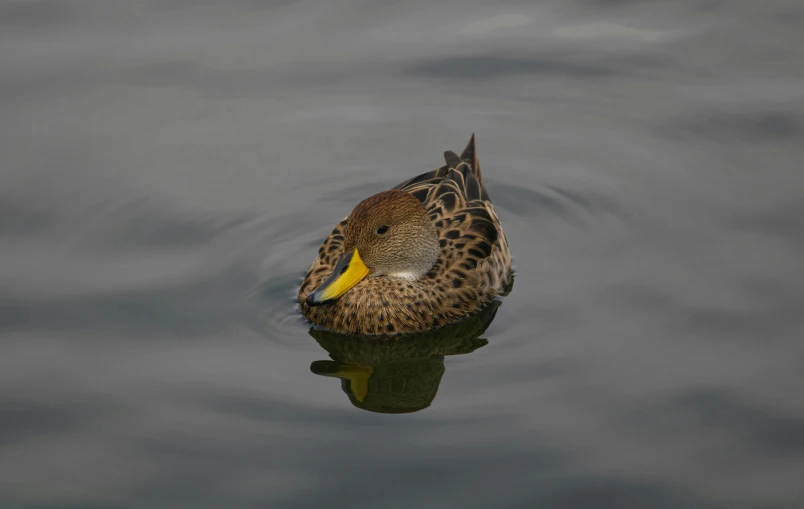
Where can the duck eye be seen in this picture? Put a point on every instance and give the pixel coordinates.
(382, 229)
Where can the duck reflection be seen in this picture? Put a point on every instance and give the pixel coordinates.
(401, 374)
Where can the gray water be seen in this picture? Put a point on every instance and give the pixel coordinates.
(170, 167)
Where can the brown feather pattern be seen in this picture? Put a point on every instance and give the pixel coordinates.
(473, 267)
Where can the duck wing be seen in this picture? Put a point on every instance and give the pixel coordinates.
(469, 231)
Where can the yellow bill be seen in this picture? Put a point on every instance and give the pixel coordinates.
(349, 271)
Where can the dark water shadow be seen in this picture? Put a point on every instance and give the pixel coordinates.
(735, 128)
(398, 374)
(493, 66)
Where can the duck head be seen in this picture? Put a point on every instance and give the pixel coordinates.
(389, 234)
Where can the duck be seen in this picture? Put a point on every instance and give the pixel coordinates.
(425, 254)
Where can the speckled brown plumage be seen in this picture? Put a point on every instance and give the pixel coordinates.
(472, 268)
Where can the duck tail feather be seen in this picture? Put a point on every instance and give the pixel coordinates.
(470, 156)
(452, 159)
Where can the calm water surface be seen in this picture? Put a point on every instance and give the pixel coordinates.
(170, 167)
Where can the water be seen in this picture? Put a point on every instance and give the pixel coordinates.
(170, 167)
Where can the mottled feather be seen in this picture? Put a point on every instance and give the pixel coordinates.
(473, 266)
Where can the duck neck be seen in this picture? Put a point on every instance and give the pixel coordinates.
(420, 265)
